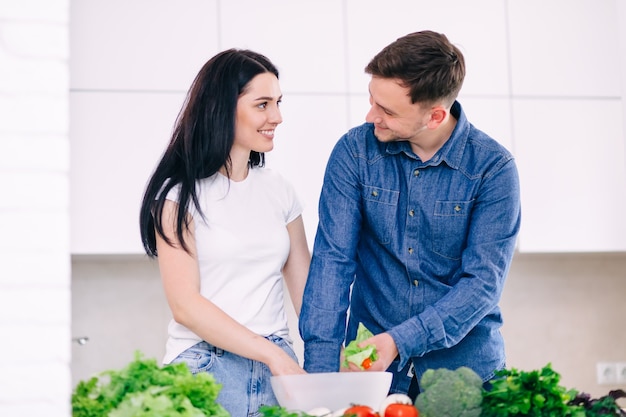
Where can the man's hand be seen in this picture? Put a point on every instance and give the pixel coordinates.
(386, 349)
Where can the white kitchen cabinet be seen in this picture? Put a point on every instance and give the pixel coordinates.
(564, 48)
(567, 89)
(116, 140)
(139, 45)
(131, 64)
(546, 79)
(571, 160)
(304, 39)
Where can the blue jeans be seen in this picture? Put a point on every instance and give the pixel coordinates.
(401, 382)
(245, 383)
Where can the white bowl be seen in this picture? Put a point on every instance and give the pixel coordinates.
(332, 390)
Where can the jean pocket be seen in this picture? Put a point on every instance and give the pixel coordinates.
(198, 358)
(451, 223)
(286, 346)
(380, 206)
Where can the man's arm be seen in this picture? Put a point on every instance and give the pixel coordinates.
(327, 293)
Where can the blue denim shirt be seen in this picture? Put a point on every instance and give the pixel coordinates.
(422, 247)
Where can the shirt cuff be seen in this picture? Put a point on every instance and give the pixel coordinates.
(411, 337)
(321, 357)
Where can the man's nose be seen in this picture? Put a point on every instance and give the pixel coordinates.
(372, 116)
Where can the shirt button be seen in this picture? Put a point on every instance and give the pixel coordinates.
(410, 250)
(375, 193)
(411, 213)
(416, 172)
(415, 282)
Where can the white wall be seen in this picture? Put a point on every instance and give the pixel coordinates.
(35, 300)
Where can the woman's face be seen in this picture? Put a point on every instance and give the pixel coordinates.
(258, 114)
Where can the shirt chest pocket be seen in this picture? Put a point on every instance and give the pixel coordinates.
(450, 226)
(380, 206)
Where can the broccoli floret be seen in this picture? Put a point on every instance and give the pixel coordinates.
(447, 393)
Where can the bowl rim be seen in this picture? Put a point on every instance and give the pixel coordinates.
(309, 374)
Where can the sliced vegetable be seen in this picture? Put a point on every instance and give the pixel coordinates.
(360, 356)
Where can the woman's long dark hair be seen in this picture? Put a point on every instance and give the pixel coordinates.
(201, 141)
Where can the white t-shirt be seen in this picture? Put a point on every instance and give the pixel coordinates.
(242, 245)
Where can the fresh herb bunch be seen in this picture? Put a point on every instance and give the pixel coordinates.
(536, 393)
(605, 406)
(144, 389)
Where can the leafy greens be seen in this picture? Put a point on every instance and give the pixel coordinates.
(144, 389)
(357, 355)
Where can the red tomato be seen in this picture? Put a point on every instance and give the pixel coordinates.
(367, 363)
(359, 411)
(401, 410)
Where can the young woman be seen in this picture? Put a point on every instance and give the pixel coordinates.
(226, 232)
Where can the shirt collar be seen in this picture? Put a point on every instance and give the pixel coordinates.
(451, 152)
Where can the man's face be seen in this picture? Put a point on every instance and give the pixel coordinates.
(395, 118)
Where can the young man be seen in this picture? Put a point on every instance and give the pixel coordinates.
(418, 218)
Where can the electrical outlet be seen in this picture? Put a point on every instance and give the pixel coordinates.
(606, 373)
(620, 372)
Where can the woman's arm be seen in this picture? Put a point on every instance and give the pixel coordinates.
(181, 282)
(296, 268)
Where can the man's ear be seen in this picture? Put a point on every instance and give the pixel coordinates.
(437, 116)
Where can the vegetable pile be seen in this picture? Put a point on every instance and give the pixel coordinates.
(144, 389)
(511, 393)
(461, 393)
(361, 357)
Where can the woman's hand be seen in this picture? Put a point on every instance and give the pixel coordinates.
(283, 364)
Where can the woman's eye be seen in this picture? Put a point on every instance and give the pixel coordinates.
(262, 105)
(279, 102)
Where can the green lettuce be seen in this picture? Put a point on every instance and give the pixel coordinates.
(357, 355)
(145, 389)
